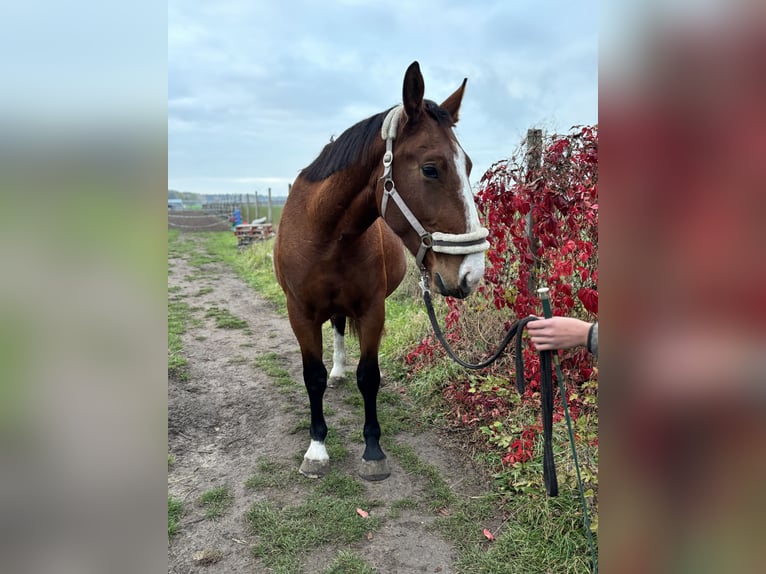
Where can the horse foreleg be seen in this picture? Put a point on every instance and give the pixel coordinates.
(374, 464)
(316, 461)
(338, 372)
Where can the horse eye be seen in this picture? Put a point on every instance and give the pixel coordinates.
(430, 171)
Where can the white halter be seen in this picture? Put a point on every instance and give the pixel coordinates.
(452, 243)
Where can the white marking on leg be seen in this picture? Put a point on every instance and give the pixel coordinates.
(338, 356)
(317, 451)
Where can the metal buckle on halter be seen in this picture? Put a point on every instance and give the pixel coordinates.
(423, 283)
(387, 192)
(426, 243)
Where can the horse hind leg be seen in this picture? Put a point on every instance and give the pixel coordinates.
(338, 371)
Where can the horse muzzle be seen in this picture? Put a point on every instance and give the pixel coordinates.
(461, 291)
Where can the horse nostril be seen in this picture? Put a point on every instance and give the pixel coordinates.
(465, 288)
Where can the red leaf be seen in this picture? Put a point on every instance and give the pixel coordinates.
(589, 299)
(489, 535)
(362, 513)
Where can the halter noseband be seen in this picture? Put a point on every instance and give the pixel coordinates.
(451, 243)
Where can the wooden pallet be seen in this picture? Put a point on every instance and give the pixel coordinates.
(246, 233)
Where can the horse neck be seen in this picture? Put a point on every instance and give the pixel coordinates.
(345, 204)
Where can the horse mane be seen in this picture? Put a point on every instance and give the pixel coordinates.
(355, 143)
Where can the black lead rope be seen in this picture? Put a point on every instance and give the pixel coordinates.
(546, 399)
(546, 383)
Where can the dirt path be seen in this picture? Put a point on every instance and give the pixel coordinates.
(231, 418)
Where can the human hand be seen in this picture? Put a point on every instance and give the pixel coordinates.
(558, 333)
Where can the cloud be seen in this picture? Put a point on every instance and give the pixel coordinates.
(256, 89)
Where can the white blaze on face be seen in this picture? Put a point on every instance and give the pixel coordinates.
(472, 268)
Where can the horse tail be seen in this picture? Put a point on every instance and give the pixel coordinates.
(353, 328)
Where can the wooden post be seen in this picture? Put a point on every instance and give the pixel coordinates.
(268, 213)
(257, 211)
(534, 156)
(247, 201)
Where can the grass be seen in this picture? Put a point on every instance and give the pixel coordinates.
(271, 475)
(199, 258)
(327, 517)
(225, 319)
(394, 416)
(437, 492)
(400, 504)
(179, 312)
(179, 316)
(216, 501)
(284, 535)
(179, 245)
(271, 364)
(464, 524)
(237, 360)
(347, 562)
(539, 535)
(175, 511)
(340, 485)
(302, 425)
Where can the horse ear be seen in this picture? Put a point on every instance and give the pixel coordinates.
(412, 92)
(452, 104)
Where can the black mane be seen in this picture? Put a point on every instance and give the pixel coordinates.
(354, 143)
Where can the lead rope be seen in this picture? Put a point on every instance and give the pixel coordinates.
(546, 395)
(546, 380)
(546, 302)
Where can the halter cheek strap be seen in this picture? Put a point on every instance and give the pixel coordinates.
(451, 243)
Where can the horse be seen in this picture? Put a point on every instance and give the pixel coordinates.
(340, 247)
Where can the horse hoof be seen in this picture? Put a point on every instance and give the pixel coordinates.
(314, 468)
(374, 469)
(333, 382)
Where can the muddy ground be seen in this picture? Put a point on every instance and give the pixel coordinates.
(227, 416)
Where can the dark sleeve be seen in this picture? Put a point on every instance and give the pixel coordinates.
(593, 339)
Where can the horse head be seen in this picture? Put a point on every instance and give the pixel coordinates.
(425, 195)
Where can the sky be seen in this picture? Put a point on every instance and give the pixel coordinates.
(257, 88)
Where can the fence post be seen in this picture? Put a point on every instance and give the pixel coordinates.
(533, 160)
(268, 213)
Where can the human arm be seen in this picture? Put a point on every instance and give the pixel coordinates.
(563, 333)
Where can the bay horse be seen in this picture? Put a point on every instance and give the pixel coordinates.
(339, 250)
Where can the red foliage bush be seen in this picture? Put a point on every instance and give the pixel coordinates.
(543, 231)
